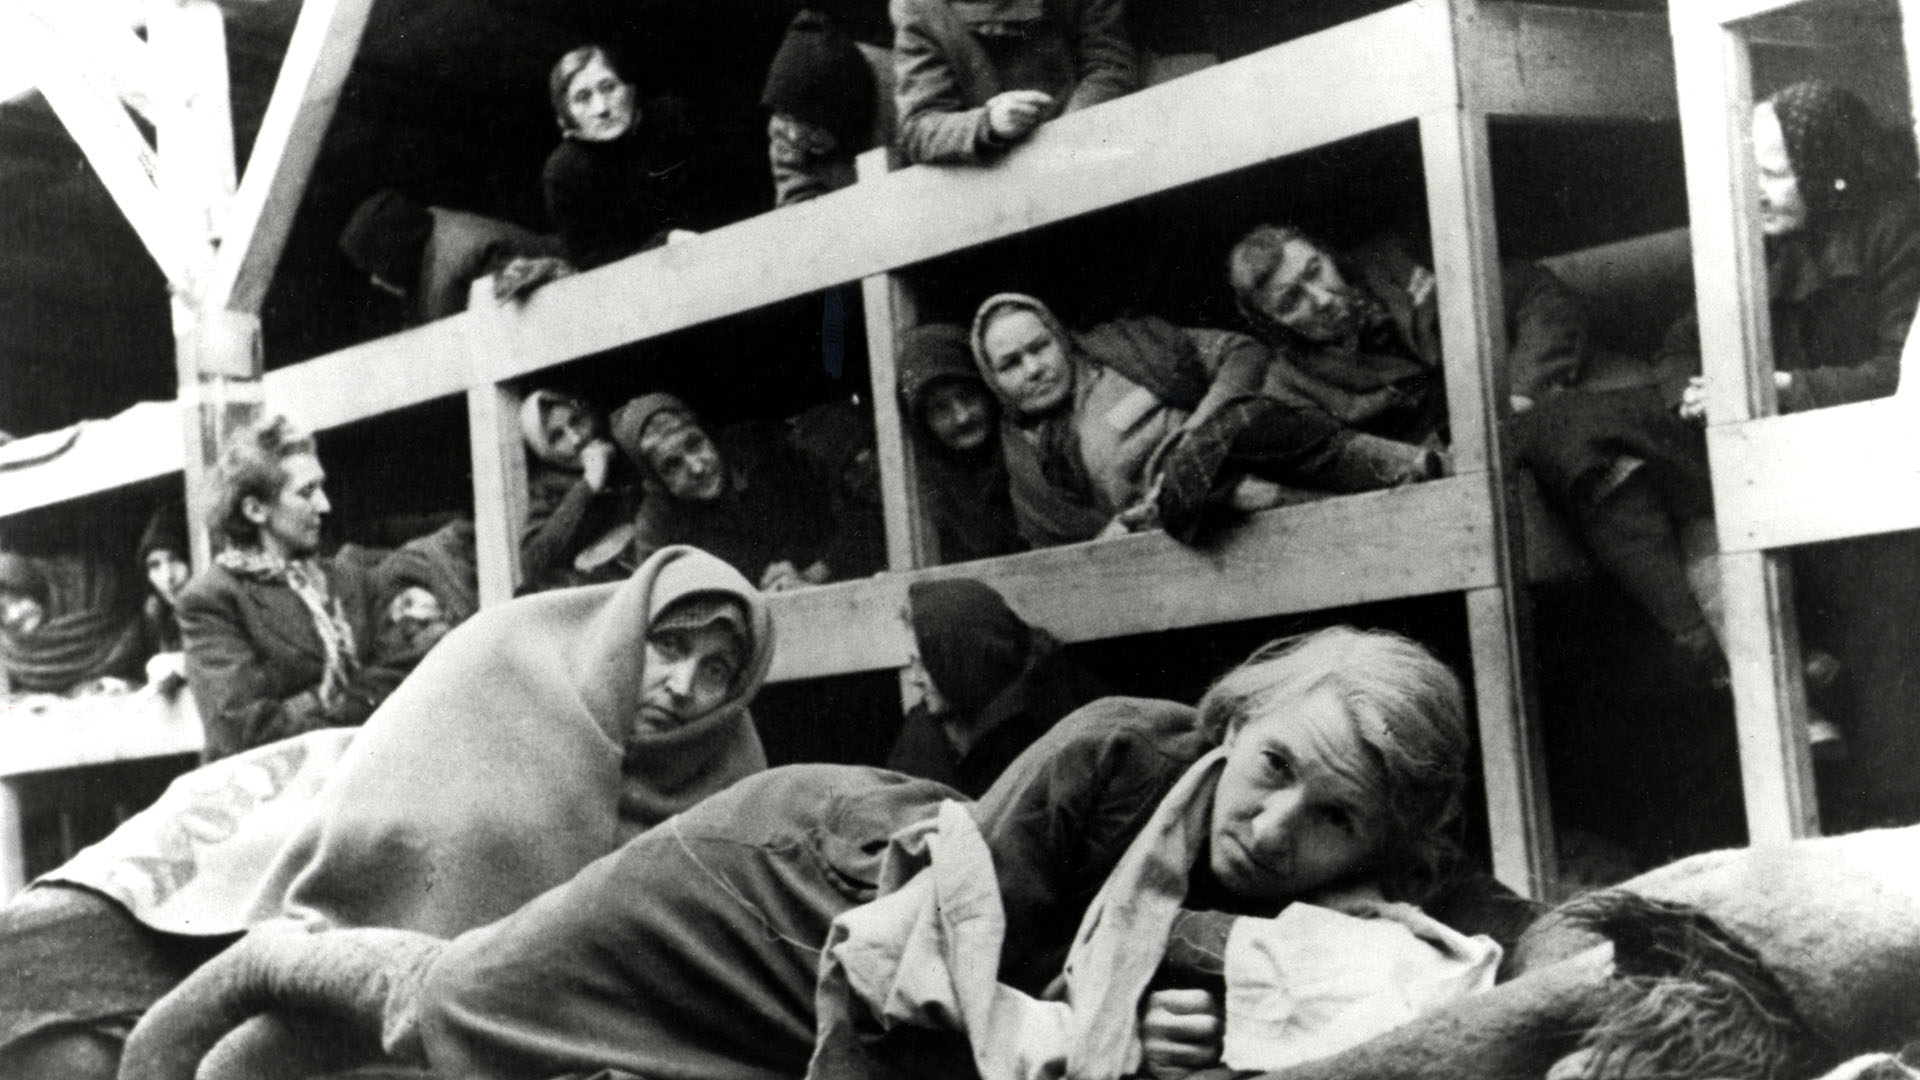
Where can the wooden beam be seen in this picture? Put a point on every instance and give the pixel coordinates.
(1413, 541)
(1769, 698)
(90, 108)
(1827, 474)
(318, 57)
(499, 489)
(1716, 13)
(139, 444)
(1537, 60)
(192, 114)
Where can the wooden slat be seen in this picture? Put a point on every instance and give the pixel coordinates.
(499, 489)
(1414, 541)
(138, 444)
(1769, 698)
(1716, 13)
(311, 76)
(1852, 470)
(90, 108)
(384, 375)
(1544, 61)
(193, 114)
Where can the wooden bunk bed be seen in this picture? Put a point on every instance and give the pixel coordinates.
(1458, 62)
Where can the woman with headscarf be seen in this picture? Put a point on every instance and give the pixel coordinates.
(537, 737)
(1842, 229)
(955, 422)
(1138, 422)
(579, 512)
(624, 177)
(990, 685)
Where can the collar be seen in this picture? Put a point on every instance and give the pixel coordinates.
(1806, 262)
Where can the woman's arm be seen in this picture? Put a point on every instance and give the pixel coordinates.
(553, 526)
(1892, 283)
(937, 124)
(1104, 61)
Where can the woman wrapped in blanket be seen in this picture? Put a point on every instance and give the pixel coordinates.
(1327, 765)
(537, 737)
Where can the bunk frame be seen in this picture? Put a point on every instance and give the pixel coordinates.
(1462, 62)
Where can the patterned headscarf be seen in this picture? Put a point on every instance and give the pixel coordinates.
(1833, 142)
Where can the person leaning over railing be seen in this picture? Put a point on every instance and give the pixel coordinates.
(955, 423)
(975, 77)
(580, 499)
(831, 98)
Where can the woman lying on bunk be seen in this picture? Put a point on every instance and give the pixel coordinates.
(1327, 767)
(1842, 228)
(537, 737)
(1137, 423)
(579, 506)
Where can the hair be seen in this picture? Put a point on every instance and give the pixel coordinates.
(252, 463)
(1252, 260)
(573, 63)
(1410, 712)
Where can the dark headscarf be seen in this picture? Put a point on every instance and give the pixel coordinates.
(819, 76)
(931, 354)
(1837, 149)
(386, 237)
(166, 531)
(971, 642)
(628, 425)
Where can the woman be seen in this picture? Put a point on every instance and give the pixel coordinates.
(535, 738)
(623, 178)
(989, 686)
(578, 512)
(1842, 230)
(1138, 422)
(956, 425)
(1330, 763)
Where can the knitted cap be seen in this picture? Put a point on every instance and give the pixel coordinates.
(930, 354)
(629, 422)
(971, 642)
(819, 76)
(386, 237)
(1831, 140)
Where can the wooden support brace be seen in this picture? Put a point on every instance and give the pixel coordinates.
(1769, 697)
(499, 489)
(89, 106)
(194, 115)
(312, 74)
(1466, 264)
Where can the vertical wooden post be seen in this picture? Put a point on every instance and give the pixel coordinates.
(1714, 74)
(1472, 332)
(499, 488)
(890, 312)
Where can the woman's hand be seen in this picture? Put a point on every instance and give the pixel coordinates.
(1014, 113)
(1693, 400)
(595, 457)
(1181, 1032)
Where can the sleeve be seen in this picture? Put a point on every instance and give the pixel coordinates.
(1058, 820)
(1892, 266)
(1105, 64)
(1678, 360)
(230, 684)
(1547, 331)
(553, 527)
(1236, 363)
(937, 126)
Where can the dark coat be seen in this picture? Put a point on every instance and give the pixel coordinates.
(613, 199)
(564, 516)
(461, 249)
(1841, 301)
(254, 659)
(964, 495)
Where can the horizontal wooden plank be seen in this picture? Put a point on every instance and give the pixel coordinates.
(97, 455)
(1721, 12)
(1853, 470)
(46, 733)
(1559, 61)
(379, 376)
(1414, 541)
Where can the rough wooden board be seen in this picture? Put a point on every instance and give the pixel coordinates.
(1851, 470)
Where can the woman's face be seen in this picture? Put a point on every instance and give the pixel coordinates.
(1028, 363)
(600, 103)
(959, 414)
(568, 429)
(1782, 209)
(687, 673)
(167, 572)
(1299, 804)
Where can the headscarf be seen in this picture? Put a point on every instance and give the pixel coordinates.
(386, 237)
(1060, 460)
(441, 562)
(819, 76)
(629, 424)
(1837, 149)
(972, 643)
(331, 624)
(931, 354)
(497, 769)
(166, 531)
(533, 426)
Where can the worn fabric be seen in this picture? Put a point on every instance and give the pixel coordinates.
(565, 515)
(613, 199)
(950, 57)
(433, 252)
(837, 440)
(256, 661)
(801, 173)
(92, 626)
(441, 562)
(1834, 144)
(964, 494)
(1389, 381)
(1840, 300)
